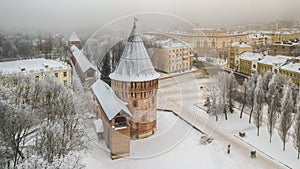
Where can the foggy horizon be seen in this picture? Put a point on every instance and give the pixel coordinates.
(68, 15)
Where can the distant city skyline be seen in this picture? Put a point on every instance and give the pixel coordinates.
(67, 15)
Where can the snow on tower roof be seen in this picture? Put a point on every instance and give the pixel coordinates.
(135, 64)
(31, 66)
(83, 62)
(110, 103)
(74, 37)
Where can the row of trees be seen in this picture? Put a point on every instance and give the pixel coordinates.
(39, 127)
(23, 46)
(222, 92)
(270, 97)
(106, 54)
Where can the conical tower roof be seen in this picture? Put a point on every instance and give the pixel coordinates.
(135, 64)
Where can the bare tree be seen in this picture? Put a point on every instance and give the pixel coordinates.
(244, 97)
(16, 125)
(220, 86)
(250, 94)
(60, 134)
(44, 112)
(296, 135)
(266, 80)
(258, 103)
(231, 88)
(273, 101)
(217, 106)
(285, 121)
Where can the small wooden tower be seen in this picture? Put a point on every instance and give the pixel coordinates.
(74, 40)
(136, 82)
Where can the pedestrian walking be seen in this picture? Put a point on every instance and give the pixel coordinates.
(228, 149)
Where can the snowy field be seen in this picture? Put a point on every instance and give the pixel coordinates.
(274, 149)
(175, 145)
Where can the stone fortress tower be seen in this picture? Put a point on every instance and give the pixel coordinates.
(136, 82)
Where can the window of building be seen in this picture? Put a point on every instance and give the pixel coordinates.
(135, 103)
(65, 82)
(65, 74)
(56, 74)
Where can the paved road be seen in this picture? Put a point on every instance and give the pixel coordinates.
(180, 93)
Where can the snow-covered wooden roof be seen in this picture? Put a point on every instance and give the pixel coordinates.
(83, 62)
(74, 37)
(135, 64)
(110, 103)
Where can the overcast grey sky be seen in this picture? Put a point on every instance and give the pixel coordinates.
(67, 14)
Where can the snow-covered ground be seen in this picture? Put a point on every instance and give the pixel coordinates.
(273, 149)
(175, 145)
(182, 94)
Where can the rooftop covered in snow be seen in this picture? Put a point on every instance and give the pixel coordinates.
(31, 66)
(292, 66)
(257, 36)
(74, 37)
(83, 62)
(169, 43)
(110, 103)
(135, 64)
(240, 45)
(251, 56)
(270, 60)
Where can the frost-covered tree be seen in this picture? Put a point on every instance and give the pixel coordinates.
(217, 105)
(258, 103)
(273, 101)
(16, 126)
(221, 87)
(285, 120)
(60, 133)
(24, 48)
(70, 161)
(231, 88)
(244, 96)
(266, 80)
(296, 135)
(41, 121)
(106, 69)
(250, 93)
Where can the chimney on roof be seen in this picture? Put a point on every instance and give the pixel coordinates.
(22, 68)
(45, 65)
